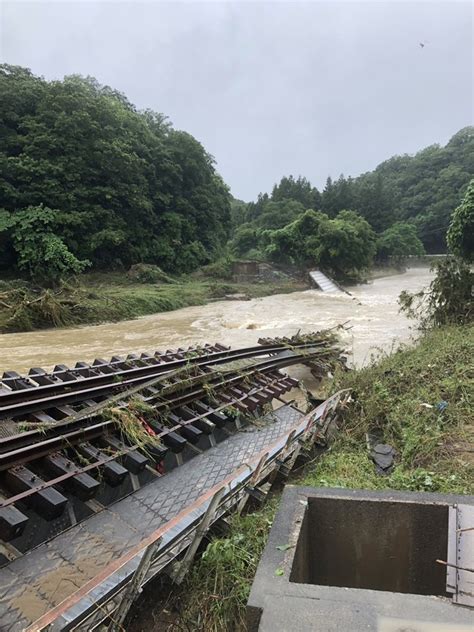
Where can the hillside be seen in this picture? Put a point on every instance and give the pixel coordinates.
(422, 190)
(103, 184)
(89, 182)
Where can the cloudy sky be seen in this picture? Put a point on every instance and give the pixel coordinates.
(269, 88)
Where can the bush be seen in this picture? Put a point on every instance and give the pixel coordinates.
(341, 245)
(448, 300)
(245, 238)
(399, 241)
(461, 230)
(220, 269)
(40, 251)
(147, 273)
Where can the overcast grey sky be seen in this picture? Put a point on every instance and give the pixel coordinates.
(269, 88)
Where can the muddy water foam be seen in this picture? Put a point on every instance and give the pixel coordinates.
(372, 312)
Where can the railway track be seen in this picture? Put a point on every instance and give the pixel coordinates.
(76, 440)
(26, 395)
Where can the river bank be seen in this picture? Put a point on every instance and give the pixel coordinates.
(371, 312)
(111, 297)
(101, 297)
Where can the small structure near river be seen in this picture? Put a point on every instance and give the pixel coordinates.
(342, 560)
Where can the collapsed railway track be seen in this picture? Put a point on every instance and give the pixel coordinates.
(64, 440)
(21, 395)
(76, 442)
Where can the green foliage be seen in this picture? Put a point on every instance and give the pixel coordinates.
(238, 211)
(299, 190)
(279, 214)
(448, 300)
(400, 398)
(216, 590)
(129, 187)
(148, 273)
(347, 243)
(422, 190)
(246, 237)
(341, 245)
(398, 242)
(348, 466)
(220, 269)
(40, 252)
(461, 230)
(298, 241)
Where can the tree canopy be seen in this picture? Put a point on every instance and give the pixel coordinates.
(399, 241)
(124, 186)
(87, 180)
(421, 190)
(342, 245)
(461, 230)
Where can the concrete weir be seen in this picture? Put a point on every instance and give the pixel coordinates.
(345, 560)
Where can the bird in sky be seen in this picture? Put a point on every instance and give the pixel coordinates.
(422, 45)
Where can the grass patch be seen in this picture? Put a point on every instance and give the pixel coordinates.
(225, 573)
(400, 396)
(421, 400)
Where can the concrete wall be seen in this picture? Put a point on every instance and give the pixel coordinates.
(374, 544)
(347, 560)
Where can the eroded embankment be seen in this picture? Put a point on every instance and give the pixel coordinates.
(112, 297)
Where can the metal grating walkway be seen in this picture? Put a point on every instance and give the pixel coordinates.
(34, 584)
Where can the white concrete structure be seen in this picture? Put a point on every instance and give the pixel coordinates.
(323, 282)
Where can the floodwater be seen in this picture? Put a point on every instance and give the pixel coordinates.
(372, 312)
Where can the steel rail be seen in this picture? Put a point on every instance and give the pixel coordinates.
(49, 396)
(85, 416)
(267, 365)
(40, 449)
(64, 477)
(65, 429)
(163, 367)
(13, 450)
(69, 442)
(76, 433)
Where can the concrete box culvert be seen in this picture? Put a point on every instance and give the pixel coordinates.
(348, 560)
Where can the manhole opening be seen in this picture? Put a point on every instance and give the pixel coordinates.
(379, 545)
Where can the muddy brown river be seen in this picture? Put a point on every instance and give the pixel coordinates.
(372, 312)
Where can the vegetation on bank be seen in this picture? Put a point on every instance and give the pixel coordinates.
(419, 398)
(448, 300)
(109, 297)
(461, 230)
(420, 191)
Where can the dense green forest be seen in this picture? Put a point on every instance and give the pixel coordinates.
(89, 181)
(407, 202)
